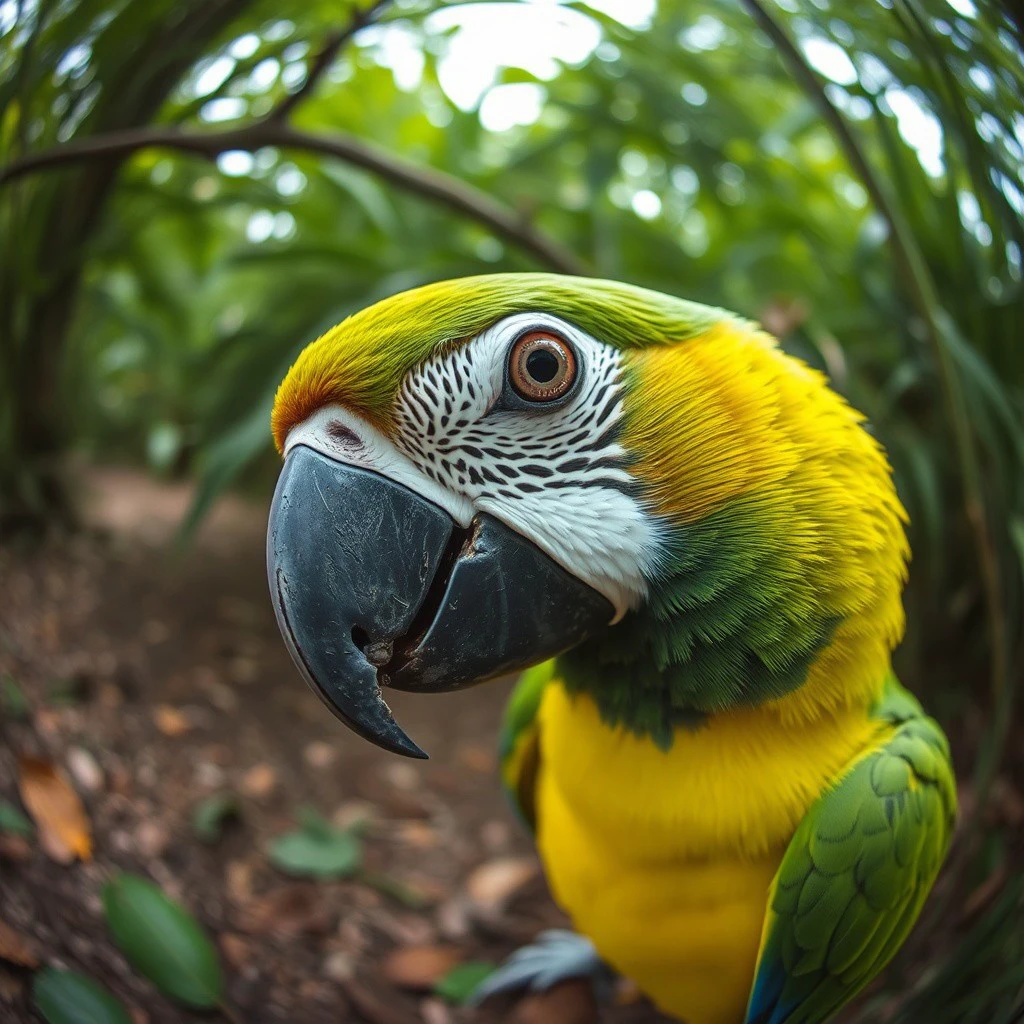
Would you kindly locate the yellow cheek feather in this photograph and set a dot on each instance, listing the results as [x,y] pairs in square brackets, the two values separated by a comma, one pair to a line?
[727,422]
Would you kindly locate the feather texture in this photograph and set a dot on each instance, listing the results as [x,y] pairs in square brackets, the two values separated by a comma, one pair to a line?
[857,871]
[361,363]
[785,557]
[788,819]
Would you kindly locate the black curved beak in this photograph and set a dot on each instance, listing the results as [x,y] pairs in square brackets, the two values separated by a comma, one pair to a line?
[374,586]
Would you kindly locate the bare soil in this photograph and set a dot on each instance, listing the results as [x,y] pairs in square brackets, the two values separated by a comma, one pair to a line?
[166,669]
[155,678]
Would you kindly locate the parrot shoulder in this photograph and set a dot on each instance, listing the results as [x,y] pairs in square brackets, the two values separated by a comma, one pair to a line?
[856,873]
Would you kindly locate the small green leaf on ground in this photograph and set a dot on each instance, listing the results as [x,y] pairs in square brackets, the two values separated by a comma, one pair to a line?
[13,702]
[211,815]
[13,822]
[314,822]
[462,981]
[317,849]
[419,967]
[163,941]
[65,997]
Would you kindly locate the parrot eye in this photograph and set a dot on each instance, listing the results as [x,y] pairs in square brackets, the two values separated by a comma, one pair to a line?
[541,366]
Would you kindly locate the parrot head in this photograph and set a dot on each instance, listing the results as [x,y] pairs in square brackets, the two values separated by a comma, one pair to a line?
[486,473]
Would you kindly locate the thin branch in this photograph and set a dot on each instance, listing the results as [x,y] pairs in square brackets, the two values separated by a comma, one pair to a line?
[432,184]
[925,298]
[326,57]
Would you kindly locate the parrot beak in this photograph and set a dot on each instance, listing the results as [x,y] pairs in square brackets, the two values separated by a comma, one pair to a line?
[375,586]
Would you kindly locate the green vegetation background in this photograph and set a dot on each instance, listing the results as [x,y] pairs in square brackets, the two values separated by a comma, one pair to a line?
[152,296]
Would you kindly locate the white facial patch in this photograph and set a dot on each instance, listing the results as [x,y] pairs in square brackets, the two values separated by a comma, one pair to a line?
[557,475]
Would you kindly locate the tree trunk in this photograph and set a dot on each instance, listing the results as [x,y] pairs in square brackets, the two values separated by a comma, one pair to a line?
[41,280]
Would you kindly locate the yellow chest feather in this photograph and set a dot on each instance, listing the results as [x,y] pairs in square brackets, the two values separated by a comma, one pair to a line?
[664,859]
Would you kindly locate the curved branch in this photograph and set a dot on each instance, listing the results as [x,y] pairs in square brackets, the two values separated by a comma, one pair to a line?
[326,57]
[432,184]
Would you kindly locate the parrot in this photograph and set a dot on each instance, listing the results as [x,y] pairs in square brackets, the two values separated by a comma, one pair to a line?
[690,549]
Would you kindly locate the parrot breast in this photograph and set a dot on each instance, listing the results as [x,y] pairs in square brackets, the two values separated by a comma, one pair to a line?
[665,859]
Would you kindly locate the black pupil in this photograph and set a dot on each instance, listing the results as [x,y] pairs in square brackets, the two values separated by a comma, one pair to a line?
[542,365]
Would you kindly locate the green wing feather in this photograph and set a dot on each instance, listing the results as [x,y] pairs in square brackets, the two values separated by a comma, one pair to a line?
[519,744]
[857,871]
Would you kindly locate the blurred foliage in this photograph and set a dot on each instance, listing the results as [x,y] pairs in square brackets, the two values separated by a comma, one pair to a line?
[148,311]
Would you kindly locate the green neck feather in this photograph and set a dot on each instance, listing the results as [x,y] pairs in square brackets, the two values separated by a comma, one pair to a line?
[723,627]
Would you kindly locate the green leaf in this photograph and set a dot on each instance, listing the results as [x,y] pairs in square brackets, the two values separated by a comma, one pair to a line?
[65,997]
[313,822]
[163,446]
[225,459]
[163,941]
[317,849]
[211,815]
[462,981]
[13,822]
[1016,526]
[12,700]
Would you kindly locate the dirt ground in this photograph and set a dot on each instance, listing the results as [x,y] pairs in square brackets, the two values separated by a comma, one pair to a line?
[156,679]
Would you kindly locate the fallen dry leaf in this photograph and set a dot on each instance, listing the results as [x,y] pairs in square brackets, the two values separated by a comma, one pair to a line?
[404,805]
[402,777]
[16,948]
[354,812]
[418,834]
[152,839]
[495,882]
[170,721]
[238,881]
[318,754]
[478,759]
[419,967]
[259,780]
[64,832]
[236,950]
[572,1002]
[47,722]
